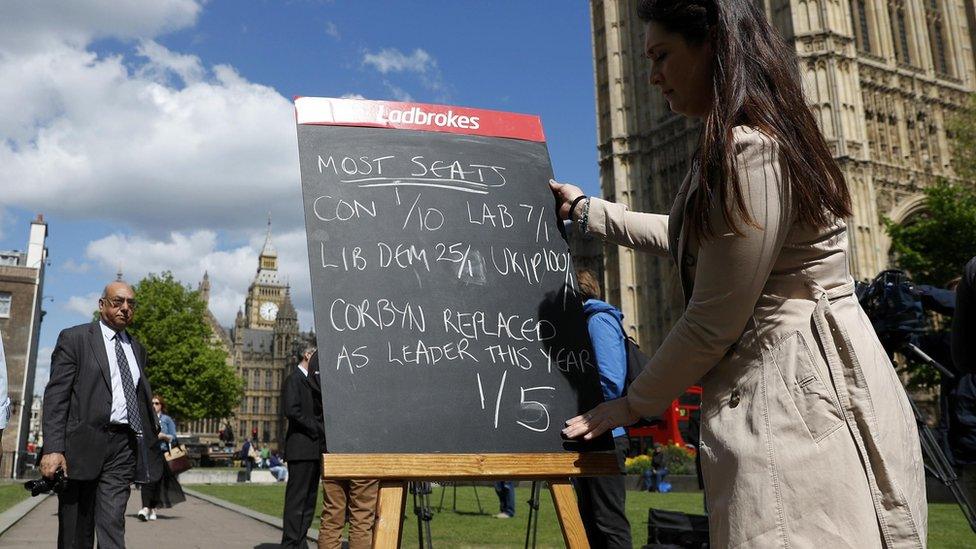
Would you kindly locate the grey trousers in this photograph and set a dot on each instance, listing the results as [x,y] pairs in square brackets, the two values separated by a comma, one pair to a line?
[90,507]
[602,505]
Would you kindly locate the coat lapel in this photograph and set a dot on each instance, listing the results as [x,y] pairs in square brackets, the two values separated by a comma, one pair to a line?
[97,343]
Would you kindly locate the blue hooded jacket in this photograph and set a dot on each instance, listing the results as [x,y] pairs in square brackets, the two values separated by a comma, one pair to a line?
[607,336]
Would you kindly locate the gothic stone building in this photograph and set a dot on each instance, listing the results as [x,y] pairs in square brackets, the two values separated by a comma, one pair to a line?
[263,344]
[882,78]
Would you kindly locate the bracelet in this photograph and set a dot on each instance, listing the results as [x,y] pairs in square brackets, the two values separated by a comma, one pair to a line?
[585,217]
[573,205]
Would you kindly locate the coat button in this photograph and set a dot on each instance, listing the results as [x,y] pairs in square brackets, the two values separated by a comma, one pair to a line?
[734,399]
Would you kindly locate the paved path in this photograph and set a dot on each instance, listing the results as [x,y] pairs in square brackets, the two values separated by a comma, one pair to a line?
[192,524]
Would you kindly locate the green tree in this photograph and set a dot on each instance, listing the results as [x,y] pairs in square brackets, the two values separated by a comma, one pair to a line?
[962,132]
[934,246]
[186,367]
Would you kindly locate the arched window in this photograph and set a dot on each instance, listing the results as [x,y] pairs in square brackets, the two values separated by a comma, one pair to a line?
[899,31]
[937,38]
[859,20]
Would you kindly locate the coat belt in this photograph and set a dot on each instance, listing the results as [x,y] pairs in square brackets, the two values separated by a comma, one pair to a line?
[890,504]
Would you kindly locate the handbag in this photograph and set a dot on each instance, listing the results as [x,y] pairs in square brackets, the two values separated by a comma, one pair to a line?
[177,460]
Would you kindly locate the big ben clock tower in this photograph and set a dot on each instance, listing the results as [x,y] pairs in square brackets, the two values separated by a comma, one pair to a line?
[266,293]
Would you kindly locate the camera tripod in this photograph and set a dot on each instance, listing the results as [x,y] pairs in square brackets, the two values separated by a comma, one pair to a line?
[532,528]
[421,508]
[937,463]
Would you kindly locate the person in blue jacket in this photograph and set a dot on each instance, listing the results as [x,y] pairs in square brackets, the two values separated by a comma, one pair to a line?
[602,499]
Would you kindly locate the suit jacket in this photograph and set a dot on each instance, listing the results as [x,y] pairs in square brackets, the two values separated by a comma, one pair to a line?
[302,405]
[807,435]
[78,405]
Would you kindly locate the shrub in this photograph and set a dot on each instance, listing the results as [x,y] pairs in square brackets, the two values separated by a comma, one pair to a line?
[638,464]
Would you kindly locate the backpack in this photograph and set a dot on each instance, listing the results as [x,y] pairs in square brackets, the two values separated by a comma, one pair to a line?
[636,359]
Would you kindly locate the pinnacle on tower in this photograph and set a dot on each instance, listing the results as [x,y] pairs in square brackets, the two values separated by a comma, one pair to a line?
[269,250]
[204,288]
[118,274]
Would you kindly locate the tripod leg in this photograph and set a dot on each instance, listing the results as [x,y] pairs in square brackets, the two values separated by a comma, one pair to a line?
[940,467]
[417,513]
[440,505]
[481,511]
[532,527]
[428,514]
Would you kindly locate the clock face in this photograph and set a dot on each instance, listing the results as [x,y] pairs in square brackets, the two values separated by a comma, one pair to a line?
[269,310]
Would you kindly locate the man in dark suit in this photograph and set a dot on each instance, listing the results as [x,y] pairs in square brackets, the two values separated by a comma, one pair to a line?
[301,402]
[99,427]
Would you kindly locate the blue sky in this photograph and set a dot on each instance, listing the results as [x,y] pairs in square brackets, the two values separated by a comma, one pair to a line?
[157,135]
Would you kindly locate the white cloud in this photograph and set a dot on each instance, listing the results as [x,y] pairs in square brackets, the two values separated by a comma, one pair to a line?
[162,62]
[419,64]
[397,92]
[353,96]
[83,305]
[32,25]
[393,60]
[189,255]
[72,266]
[155,140]
[332,30]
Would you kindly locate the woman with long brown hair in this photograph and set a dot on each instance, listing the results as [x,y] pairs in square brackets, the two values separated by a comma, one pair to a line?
[807,436]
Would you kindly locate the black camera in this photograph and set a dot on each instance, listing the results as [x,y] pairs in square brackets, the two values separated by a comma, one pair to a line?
[44,485]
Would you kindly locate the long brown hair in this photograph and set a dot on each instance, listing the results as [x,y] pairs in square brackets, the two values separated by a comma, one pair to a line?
[756,81]
[162,403]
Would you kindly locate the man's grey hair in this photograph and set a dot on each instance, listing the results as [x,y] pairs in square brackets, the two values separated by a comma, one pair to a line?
[309,350]
[107,286]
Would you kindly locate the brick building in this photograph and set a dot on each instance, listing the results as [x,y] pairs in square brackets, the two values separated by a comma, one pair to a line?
[21,291]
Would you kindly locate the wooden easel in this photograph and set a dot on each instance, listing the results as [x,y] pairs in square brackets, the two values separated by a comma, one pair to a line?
[395,470]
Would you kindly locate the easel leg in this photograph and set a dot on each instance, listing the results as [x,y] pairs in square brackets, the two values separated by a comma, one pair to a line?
[568,513]
[389,514]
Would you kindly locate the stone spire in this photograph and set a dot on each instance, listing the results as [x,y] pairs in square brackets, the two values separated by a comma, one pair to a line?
[118,274]
[204,288]
[268,250]
[287,311]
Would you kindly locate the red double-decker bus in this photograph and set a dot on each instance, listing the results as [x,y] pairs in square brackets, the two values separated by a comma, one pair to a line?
[678,425]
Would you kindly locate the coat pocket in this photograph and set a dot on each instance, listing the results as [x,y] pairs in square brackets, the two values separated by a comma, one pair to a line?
[814,400]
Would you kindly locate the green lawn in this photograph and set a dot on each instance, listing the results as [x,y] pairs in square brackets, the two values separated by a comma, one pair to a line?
[468,528]
[11,494]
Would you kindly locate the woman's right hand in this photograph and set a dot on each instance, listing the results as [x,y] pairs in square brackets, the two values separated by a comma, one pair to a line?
[565,194]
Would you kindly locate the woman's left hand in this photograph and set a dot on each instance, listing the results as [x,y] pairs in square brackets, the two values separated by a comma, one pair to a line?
[565,194]
[607,416]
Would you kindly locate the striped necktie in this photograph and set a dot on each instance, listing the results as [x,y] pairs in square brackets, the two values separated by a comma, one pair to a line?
[128,387]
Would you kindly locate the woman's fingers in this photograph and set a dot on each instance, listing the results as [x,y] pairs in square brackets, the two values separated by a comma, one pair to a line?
[565,194]
[599,420]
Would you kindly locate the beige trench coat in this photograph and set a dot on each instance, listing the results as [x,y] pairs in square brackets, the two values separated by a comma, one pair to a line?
[807,436]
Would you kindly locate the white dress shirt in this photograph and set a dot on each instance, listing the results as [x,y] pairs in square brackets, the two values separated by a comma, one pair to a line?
[4,399]
[120,413]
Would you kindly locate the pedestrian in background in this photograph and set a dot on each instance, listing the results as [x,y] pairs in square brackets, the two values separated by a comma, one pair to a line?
[602,499]
[247,458]
[301,404]
[353,499]
[506,499]
[166,492]
[99,426]
[4,398]
[277,467]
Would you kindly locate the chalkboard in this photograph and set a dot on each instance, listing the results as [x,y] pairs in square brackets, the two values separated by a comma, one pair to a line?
[442,287]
